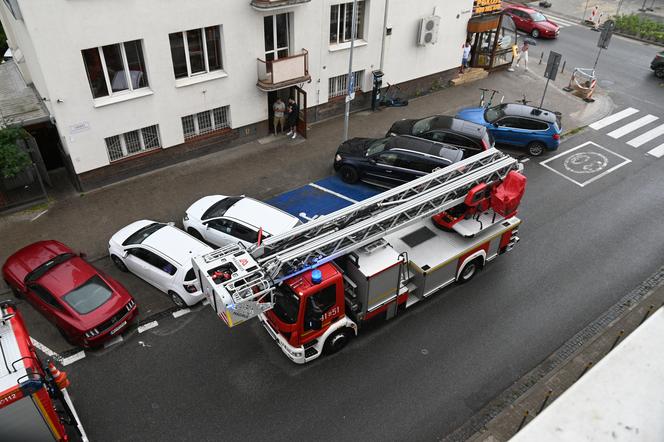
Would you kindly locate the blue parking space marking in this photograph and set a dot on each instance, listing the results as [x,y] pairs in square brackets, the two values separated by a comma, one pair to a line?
[308,202]
[357,192]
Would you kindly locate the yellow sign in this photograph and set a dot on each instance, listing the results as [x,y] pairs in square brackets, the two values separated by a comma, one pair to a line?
[484,6]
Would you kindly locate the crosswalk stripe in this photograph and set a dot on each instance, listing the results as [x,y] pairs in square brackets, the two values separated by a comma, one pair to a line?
[631,127]
[561,21]
[613,118]
[657,152]
[644,138]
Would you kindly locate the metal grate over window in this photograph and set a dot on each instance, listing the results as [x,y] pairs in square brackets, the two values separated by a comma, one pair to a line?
[133,142]
[338,84]
[206,122]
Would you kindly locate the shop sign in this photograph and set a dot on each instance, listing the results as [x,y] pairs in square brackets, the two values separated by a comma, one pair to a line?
[484,6]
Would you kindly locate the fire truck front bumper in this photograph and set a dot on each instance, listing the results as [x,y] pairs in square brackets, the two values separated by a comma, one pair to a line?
[295,354]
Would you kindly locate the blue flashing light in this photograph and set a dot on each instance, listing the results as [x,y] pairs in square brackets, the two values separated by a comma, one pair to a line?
[316,276]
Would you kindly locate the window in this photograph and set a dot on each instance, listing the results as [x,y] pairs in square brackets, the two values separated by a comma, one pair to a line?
[533,124]
[154,260]
[510,122]
[205,122]
[131,143]
[116,68]
[45,296]
[338,85]
[89,296]
[197,51]
[389,158]
[341,20]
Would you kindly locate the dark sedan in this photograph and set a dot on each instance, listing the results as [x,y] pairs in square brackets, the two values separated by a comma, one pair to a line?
[392,161]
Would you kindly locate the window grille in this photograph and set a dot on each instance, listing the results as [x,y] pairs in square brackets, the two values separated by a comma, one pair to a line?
[338,85]
[133,142]
[205,122]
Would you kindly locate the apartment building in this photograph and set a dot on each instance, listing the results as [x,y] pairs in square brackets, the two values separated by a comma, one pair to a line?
[134,85]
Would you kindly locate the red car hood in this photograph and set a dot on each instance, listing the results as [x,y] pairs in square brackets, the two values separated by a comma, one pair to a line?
[30,257]
[548,25]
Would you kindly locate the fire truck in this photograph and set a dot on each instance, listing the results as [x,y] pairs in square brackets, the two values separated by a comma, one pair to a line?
[34,402]
[315,286]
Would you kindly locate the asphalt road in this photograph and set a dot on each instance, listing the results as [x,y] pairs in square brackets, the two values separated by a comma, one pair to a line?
[423,374]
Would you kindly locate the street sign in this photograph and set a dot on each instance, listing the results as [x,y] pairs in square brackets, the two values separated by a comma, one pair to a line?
[605,36]
[552,65]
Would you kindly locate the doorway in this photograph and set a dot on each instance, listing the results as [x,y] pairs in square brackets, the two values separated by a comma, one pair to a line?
[300,97]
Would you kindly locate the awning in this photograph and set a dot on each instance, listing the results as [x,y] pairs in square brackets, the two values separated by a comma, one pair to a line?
[484,23]
[20,105]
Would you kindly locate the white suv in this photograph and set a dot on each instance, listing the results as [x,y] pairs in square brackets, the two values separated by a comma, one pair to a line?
[161,255]
[222,220]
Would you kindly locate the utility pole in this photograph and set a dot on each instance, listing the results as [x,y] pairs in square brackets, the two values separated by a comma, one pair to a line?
[350,81]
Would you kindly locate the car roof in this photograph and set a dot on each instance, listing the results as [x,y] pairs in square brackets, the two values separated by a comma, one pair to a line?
[66,276]
[259,214]
[416,144]
[176,244]
[523,110]
[521,8]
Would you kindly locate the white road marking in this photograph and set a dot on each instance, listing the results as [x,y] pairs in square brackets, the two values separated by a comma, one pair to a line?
[562,22]
[599,124]
[525,160]
[650,135]
[112,342]
[73,358]
[148,326]
[38,215]
[657,152]
[331,192]
[44,349]
[631,127]
[182,312]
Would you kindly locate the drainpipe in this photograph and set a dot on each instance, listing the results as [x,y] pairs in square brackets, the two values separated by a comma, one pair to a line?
[382,45]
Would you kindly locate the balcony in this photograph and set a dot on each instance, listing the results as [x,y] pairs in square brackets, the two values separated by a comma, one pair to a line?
[271,5]
[284,72]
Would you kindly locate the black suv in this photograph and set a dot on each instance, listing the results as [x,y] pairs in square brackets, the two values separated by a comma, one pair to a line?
[657,65]
[471,137]
[392,161]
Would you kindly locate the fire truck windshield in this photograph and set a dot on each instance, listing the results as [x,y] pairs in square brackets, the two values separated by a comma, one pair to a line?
[286,304]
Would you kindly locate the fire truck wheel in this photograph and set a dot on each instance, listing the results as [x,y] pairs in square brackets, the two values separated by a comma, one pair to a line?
[119,264]
[193,232]
[177,300]
[470,270]
[337,341]
[349,174]
[536,148]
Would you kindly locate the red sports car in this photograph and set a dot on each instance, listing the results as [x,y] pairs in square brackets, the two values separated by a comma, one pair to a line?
[533,22]
[86,305]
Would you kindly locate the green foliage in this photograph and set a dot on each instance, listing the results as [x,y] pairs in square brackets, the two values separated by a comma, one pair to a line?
[13,159]
[641,27]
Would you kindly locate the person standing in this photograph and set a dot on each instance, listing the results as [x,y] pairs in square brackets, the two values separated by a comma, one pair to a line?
[293,115]
[465,57]
[279,107]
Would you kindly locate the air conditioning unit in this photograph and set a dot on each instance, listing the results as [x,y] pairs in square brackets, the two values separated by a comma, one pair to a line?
[428,33]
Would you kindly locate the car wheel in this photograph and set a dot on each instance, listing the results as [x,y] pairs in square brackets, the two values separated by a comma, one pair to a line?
[119,264]
[659,72]
[17,293]
[349,174]
[535,33]
[177,300]
[337,341]
[193,232]
[536,148]
[470,270]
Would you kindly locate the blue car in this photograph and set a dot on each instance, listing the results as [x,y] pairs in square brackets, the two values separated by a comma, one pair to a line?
[518,125]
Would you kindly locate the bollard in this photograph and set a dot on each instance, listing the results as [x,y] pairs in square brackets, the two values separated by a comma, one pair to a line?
[588,365]
[563,68]
[541,57]
[647,314]
[546,399]
[620,335]
[523,421]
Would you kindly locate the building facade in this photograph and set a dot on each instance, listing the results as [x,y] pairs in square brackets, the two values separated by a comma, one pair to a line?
[133,85]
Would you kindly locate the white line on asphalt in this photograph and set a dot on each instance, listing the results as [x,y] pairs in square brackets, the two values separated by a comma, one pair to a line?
[599,124]
[73,358]
[644,138]
[38,215]
[562,22]
[45,349]
[112,342]
[631,127]
[343,197]
[147,326]
[657,152]
[182,312]
[525,160]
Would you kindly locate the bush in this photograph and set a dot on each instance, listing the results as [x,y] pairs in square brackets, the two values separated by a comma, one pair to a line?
[640,26]
[13,159]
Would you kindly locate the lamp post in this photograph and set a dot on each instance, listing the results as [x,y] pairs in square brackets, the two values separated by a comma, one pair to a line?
[350,81]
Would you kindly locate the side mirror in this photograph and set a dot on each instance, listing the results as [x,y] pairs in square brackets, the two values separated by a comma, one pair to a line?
[82,255]
[372,161]
[125,253]
[495,124]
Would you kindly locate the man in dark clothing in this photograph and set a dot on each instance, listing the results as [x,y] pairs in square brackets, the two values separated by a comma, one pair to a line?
[293,115]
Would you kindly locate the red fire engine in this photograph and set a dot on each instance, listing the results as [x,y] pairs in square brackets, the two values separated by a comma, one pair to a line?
[313,287]
[34,403]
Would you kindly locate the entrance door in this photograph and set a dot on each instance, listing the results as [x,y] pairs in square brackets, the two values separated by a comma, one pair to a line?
[301,100]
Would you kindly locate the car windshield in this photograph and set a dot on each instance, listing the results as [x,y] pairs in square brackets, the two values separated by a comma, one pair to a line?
[493,113]
[538,16]
[286,304]
[377,146]
[48,265]
[219,208]
[422,126]
[142,234]
[89,296]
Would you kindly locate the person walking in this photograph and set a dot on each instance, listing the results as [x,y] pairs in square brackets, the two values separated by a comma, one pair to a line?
[523,55]
[293,115]
[465,57]
[279,108]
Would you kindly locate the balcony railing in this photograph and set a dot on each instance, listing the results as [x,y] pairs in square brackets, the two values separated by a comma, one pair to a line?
[284,72]
[264,5]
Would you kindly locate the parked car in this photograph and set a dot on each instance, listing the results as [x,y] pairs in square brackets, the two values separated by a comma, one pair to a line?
[518,125]
[222,220]
[161,255]
[470,137]
[393,160]
[533,22]
[86,305]
[657,64]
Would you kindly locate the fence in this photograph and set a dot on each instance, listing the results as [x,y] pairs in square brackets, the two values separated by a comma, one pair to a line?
[25,188]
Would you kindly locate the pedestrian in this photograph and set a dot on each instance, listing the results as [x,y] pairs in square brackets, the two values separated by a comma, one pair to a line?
[279,107]
[293,116]
[465,57]
[523,55]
